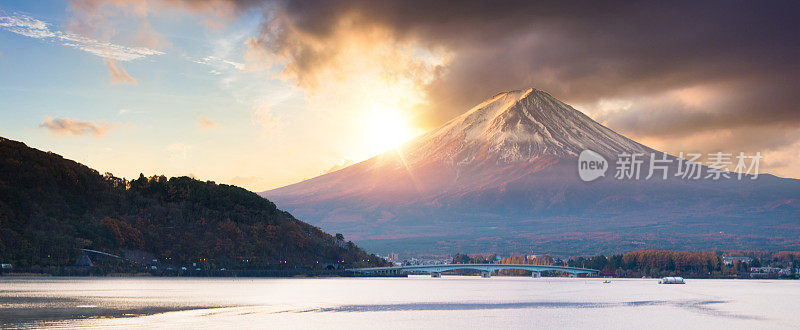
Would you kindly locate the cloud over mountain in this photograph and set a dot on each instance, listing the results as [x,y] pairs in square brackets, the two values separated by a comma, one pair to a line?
[664,58]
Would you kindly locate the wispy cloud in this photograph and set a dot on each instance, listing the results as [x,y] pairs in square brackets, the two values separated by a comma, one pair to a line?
[34,28]
[219,63]
[206,123]
[26,26]
[119,75]
[125,112]
[67,126]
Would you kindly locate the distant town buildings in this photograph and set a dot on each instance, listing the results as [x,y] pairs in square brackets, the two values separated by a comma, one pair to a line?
[729,260]
[769,272]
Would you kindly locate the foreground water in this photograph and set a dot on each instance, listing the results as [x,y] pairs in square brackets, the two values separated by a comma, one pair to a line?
[414,302]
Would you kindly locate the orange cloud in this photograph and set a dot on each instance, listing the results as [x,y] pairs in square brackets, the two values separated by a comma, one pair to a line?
[97,17]
[118,74]
[206,123]
[369,70]
[67,126]
[146,36]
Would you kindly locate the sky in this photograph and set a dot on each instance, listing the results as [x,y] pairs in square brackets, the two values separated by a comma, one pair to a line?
[263,94]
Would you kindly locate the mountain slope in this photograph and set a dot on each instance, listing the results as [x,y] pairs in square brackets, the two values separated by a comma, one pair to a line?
[503,177]
[51,206]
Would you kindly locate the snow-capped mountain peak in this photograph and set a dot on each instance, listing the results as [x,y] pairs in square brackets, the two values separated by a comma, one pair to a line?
[521,125]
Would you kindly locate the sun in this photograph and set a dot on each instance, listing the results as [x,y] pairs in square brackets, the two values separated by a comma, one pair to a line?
[388,129]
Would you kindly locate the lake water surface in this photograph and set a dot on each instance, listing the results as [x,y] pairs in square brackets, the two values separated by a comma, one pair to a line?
[414,302]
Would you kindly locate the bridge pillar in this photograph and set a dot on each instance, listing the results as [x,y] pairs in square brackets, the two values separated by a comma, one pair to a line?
[436,275]
[536,274]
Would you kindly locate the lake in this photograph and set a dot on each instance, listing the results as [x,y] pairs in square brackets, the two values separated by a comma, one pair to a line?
[413,302]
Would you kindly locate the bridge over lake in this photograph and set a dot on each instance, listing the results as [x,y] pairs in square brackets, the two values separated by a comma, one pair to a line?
[486,269]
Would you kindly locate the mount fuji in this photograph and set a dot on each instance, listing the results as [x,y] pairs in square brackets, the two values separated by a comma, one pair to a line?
[503,177]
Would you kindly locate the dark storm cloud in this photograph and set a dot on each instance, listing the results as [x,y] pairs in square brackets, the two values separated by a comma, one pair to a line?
[585,51]
[750,101]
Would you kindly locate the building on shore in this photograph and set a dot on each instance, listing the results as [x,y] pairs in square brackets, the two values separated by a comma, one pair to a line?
[729,260]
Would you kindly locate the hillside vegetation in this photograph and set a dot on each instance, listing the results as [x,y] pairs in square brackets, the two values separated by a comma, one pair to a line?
[50,207]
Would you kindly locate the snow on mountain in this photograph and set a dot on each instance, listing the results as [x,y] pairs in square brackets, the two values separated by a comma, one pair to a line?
[504,175]
[515,126]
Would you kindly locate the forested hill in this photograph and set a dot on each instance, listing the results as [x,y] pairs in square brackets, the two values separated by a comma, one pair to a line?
[50,207]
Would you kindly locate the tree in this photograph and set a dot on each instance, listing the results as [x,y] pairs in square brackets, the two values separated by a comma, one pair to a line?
[461,258]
